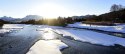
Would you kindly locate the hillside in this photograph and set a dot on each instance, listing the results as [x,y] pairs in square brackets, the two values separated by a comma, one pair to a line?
[114,17]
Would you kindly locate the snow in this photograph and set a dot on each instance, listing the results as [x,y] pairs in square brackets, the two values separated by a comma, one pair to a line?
[54,46]
[47,47]
[4,30]
[92,37]
[83,35]
[48,33]
[41,46]
[13,26]
[28,31]
[118,28]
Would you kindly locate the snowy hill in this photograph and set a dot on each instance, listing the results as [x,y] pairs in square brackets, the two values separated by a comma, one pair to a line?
[32,17]
[5,18]
[28,17]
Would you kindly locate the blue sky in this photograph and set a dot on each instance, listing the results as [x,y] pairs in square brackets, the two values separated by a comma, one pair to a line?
[21,8]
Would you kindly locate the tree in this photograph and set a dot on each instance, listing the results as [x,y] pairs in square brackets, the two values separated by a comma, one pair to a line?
[116,8]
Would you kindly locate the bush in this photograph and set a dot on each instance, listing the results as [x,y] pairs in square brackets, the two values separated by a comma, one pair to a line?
[1,24]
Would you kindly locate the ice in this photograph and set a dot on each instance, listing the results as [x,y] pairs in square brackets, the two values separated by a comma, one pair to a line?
[118,28]
[92,37]
[54,46]
[4,30]
[47,47]
[18,26]
[28,31]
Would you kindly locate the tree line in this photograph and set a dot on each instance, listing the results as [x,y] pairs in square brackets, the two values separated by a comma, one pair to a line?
[60,21]
[2,22]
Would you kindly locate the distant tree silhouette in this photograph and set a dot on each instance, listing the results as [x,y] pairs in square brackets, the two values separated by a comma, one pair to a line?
[116,7]
[3,22]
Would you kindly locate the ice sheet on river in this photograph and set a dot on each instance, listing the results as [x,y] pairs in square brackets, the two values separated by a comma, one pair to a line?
[47,47]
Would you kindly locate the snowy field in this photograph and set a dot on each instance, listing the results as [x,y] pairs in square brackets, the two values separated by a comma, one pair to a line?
[118,28]
[54,46]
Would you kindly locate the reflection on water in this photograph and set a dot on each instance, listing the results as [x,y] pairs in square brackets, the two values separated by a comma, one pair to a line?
[48,35]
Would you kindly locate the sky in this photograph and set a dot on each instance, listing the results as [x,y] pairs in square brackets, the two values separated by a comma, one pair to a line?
[55,8]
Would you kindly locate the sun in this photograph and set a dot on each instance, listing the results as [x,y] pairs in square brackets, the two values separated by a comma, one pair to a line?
[50,10]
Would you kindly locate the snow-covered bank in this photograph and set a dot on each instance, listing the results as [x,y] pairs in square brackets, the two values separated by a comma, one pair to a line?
[92,37]
[8,26]
[4,30]
[47,47]
[118,28]
[11,27]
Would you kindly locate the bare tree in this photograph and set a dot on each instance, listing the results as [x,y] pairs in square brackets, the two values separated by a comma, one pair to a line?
[115,7]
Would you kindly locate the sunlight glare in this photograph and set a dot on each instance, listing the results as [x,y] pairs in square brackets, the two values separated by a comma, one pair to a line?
[49,10]
[48,34]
